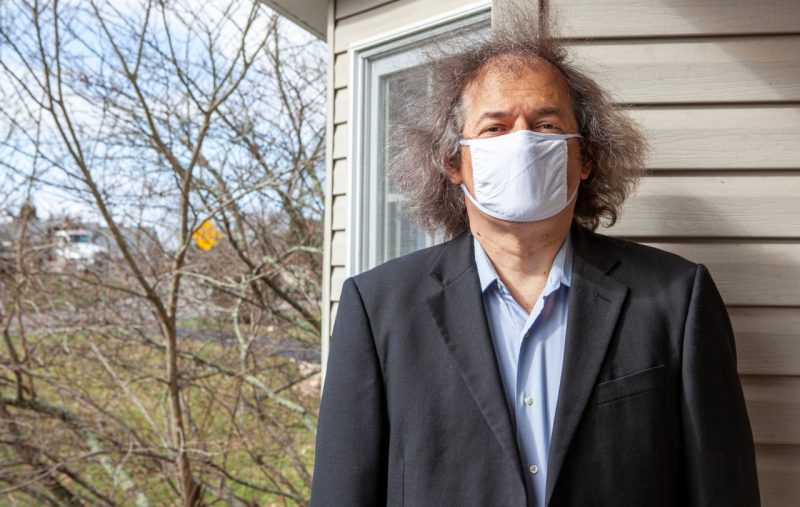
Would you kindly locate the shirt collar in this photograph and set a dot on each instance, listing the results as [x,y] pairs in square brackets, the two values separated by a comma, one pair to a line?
[560,271]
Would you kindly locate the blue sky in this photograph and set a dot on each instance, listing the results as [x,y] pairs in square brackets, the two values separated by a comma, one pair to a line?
[57,197]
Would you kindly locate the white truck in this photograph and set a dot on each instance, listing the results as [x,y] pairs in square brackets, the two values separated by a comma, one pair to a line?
[79,246]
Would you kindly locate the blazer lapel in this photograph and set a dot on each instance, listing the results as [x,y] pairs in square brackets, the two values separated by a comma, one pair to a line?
[460,316]
[595,302]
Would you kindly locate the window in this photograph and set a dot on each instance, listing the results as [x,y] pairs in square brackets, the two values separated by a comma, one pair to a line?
[379,228]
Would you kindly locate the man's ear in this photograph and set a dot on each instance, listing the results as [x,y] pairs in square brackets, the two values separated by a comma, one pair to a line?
[586,169]
[587,160]
[454,170]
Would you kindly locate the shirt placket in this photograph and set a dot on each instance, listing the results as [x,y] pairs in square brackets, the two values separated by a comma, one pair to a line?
[528,408]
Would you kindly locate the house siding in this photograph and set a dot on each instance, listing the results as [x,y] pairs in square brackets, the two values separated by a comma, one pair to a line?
[716,87]
[345,8]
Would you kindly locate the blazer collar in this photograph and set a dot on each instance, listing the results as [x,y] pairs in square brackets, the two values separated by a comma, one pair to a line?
[457,308]
[456,257]
[595,302]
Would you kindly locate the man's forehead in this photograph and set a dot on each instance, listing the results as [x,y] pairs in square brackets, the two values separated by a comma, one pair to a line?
[504,71]
[504,80]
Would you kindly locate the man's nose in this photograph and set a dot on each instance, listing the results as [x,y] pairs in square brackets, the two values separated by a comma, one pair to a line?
[520,124]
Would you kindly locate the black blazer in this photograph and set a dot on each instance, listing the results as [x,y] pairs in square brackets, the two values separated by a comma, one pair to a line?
[650,408]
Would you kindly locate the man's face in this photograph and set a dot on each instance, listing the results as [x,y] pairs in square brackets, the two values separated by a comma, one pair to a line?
[530,96]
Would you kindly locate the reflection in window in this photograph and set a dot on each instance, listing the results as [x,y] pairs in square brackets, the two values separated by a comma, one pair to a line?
[400,236]
[380,228]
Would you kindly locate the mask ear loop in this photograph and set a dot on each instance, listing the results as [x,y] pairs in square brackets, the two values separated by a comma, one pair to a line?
[485,210]
[573,196]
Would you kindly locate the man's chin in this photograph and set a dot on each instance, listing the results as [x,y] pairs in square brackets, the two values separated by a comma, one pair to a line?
[481,221]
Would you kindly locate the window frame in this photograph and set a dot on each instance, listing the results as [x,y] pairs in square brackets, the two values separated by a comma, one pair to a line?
[370,61]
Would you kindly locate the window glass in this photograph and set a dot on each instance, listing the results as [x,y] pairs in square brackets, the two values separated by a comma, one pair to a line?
[380,229]
[400,236]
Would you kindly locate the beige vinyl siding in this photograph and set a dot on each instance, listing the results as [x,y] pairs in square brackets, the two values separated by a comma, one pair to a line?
[339,220]
[340,177]
[345,8]
[716,87]
[771,398]
[778,470]
[747,273]
[714,136]
[667,18]
[717,205]
[337,280]
[341,72]
[697,69]
[766,340]
[341,106]
[341,139]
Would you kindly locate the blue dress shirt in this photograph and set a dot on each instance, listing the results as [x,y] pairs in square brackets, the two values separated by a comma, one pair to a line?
[530,354]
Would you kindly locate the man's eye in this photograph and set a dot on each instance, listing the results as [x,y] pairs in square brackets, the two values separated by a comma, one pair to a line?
[492,130]
[548,127]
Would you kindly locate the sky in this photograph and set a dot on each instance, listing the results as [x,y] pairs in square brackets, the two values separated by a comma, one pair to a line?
[51,200]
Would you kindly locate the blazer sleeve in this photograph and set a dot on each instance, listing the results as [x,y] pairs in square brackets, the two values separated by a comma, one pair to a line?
[718,442]
[352,434]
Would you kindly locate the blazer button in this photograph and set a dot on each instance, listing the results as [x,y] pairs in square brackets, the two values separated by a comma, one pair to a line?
[534,469]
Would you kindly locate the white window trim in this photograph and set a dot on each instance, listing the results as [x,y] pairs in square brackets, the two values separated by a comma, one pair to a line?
[362,56]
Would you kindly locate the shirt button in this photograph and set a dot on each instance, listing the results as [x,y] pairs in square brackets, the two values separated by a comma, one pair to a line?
[533,469]
[528,400]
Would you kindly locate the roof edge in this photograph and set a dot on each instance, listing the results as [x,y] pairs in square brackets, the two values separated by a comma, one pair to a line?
[310,15]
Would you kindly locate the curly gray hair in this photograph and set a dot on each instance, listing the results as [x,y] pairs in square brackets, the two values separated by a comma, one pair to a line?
[428,135]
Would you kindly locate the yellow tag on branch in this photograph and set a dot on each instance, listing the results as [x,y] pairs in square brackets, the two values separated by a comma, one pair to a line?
[206,236]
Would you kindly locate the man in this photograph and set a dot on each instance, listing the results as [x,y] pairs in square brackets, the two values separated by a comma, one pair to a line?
[529,361]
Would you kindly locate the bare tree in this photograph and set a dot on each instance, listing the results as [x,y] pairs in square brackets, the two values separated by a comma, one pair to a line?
[161,373]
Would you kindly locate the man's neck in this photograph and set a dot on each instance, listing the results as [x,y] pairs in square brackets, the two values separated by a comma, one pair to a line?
[522,253]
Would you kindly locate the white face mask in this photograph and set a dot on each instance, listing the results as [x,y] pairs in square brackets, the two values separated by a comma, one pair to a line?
[521,176]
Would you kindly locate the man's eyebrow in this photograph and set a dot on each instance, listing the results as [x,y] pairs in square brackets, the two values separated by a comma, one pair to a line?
[547,110]
[492,115]
[542,111]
